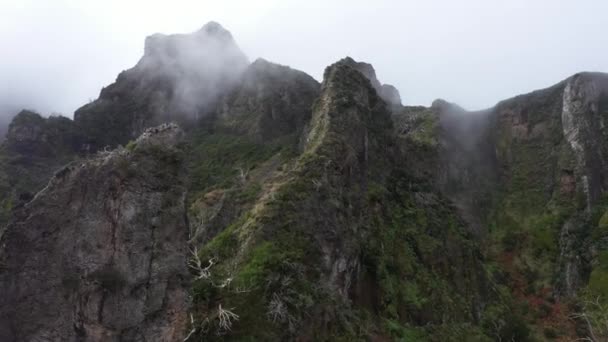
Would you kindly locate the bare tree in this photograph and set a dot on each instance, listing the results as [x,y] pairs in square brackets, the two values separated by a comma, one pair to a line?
[226,317]
[193,328]
[595,316]
[242,176]
[196,264]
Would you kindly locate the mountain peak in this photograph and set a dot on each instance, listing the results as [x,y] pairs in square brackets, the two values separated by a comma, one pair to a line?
[210,35]
[387,92]
[213,27]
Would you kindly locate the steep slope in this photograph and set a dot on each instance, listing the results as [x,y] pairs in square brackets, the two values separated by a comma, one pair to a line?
[529,176]
[322,252]
[304,211]
[4,122]
[100,253]
[387,92]
[7,112]
[34,149]
[271,101]
[552,149]
[180,77]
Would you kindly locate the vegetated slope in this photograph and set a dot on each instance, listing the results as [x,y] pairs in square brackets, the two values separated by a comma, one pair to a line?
[311,212]
[341,242]
[532,171]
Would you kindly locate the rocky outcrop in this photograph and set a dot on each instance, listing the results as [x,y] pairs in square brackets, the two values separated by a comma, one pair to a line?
[179,78]
[100,253]
[271,101]
[314,211]
[32,135]
[532,171]
[387,92]
[34,149]
[323,228]
[584,117]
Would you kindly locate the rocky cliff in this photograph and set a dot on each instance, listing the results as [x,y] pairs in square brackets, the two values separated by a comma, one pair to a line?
[34,149]
[530,174]
[293,210]
[329,231]
[180,77]
[100,253]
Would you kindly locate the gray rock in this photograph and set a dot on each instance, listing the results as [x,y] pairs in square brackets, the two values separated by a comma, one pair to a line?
[100,254]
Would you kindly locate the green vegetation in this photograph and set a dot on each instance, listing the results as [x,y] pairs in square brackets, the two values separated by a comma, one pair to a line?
[271,265]
[217,160]
[424,129]
[131,145]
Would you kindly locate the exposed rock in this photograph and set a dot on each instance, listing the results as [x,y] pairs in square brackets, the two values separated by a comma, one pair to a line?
[271,101]
[32,135]
[100,253]
[316,212]
[321,229]
[584,117]
[34,149]
[533,158]
[387,92]
[390,94]
[180,77]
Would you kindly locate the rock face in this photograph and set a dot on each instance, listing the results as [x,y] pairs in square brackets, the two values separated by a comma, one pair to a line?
[307,211]
[180,77]
[387,92]
[271,101]
[533,168]
[318,243]
[32,135]
[584,117]
[34,149]
[551,145]
[100,253]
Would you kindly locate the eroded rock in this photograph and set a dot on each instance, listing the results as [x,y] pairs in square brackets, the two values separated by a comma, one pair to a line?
[100,253]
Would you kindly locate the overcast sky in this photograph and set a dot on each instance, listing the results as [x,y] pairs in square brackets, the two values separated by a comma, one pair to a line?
[56,55]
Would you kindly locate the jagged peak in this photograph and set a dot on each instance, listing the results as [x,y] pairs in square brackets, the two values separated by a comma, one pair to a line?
[25,118]
[343,70]
[213,27]
[347,100]
[387,92]
[364,68]
[26,113]
[210,33]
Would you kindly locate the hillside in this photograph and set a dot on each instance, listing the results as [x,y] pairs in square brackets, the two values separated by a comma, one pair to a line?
[204,197]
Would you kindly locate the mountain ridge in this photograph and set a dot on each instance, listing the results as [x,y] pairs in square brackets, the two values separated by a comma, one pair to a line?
[305,210]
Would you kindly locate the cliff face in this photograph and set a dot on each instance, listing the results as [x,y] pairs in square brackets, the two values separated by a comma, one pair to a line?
[529,174]
[179,78]
[271,101]
[34,149]
[552,150]
[293,210]
[387,92]
[100,253]
[336,233]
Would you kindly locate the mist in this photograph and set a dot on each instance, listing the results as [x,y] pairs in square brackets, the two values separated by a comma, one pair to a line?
[199,67]
[58,55]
